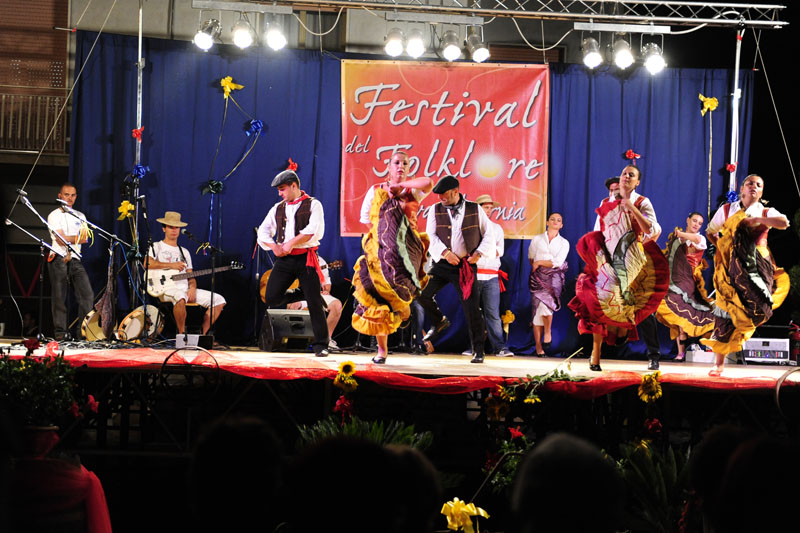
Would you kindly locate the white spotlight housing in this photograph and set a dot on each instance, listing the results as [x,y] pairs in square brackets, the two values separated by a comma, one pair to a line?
[653,58]
[477,48]
[243,34]
[623,57]
[415,45]
[394,42]
[451,45]
[274,37]
[591,52]
[207,34]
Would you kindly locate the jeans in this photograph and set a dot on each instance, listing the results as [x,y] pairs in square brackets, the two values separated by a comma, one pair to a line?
[62,275]
[490,302]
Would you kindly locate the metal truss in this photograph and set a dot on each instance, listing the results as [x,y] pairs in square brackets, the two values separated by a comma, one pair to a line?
[719,14]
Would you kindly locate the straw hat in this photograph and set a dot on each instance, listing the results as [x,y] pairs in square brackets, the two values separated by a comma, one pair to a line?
[486,199]
[172,218]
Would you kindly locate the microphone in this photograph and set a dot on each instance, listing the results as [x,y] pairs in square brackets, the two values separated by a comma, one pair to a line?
[144,205]
[21,192]
[62,202]
[186,232]
[8,222]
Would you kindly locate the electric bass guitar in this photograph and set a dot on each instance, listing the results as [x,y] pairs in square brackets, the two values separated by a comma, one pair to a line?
[160,281]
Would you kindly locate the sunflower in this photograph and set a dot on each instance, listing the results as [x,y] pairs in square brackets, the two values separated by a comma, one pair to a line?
[346,383]
[531,399]
[650,387]
[347,368]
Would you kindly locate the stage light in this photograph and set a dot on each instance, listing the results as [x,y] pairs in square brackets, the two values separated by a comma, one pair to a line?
[274,36]
[653,58]
[207,34]
[623,57]
[477,48]
[415,46]
[394,42]
[243,34]
[451,45]
[591,52]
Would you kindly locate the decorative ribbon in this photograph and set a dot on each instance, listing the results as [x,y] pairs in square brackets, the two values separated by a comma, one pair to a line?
[732,197]
[730,167]
[125,209]
[459,515]
[255,128]
[228,86]
[709,103]
[500,276]
[137,133]
[51,349]
[344,406]
[466,278]
[292,165]
[202,248]
[213,187]
[633,156]
[139,171]
[85,233]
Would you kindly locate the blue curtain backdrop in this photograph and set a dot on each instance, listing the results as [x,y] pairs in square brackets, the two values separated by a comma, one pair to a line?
[595,117]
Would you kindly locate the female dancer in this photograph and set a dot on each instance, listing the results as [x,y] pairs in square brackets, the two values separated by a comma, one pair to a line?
[686,310]
[748,283]
[626,274]
[389,274]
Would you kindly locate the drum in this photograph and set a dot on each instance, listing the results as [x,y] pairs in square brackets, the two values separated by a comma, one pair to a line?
[90,327]
[133,325]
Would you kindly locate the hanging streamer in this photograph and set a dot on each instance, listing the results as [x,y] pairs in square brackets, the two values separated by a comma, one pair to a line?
[709,105]
[137,133]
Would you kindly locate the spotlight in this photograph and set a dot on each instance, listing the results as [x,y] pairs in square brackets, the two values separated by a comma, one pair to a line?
[274,37]
[243,34]
[477,48]
[415,46]
[623,57]
[591,52]
[206,34]
[653,58]
[394,42]
[451,45]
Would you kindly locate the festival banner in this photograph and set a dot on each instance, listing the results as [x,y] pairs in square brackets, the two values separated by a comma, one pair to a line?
[486,124]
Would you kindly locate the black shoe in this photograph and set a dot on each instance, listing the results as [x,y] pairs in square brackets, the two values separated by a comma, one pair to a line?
[595,368]
[653,364]
[435,330]
[477,358]
[322,353]
[379,359]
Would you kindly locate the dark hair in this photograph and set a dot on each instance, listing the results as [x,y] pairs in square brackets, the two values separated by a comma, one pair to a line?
[638,170]
[67,184]
[555,213]
[693,213]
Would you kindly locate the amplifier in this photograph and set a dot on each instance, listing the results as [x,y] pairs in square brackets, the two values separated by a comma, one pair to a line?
[285,329]
[768,351]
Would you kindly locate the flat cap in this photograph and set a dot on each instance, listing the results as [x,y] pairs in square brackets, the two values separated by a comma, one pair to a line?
[287,176]
[445,184]
[610,181]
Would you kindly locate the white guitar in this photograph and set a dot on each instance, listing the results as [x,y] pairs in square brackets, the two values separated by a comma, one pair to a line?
[162,280]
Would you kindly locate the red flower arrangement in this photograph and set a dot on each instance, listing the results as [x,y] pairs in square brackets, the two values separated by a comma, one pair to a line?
[292,165]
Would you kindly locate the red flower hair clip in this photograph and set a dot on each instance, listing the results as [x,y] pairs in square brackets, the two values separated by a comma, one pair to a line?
[292,165]
[633,156]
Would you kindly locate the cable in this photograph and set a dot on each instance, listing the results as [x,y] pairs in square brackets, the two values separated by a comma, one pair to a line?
[545,49]
[777,116]
[335,23]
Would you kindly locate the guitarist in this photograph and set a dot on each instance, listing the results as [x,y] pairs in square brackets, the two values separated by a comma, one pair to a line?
[292,230]
[166,254]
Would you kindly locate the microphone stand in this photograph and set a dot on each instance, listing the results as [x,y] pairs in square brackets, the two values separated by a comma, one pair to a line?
[214,251]
[42,245]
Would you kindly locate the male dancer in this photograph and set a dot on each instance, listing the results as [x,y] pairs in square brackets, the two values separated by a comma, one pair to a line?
[456,228]
[292,230]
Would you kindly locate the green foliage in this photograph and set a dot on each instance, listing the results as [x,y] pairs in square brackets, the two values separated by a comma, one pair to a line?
[527,388]
[391,432]
[504,475]
[38,391]
[656,484]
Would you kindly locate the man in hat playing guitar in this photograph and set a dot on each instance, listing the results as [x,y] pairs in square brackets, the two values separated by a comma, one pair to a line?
[167,254]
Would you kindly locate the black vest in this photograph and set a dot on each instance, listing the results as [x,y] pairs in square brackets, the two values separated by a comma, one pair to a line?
[301,219]
[470,226]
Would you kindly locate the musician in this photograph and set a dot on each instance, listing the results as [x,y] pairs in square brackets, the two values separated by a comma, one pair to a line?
[167,254]
[334,304]
[68,270]
[292,230]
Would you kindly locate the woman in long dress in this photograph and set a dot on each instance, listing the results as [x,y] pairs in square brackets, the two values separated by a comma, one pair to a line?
[626,274]
[748,283]
[686,309]
[390,273]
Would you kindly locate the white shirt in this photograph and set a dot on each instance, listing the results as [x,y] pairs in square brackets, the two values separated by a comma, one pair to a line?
[164,253]
[755,210]
[491,261]
[315,228]
[366,204]
[543,249]
[647,211]
[59,219]
[457,245]
[701,246]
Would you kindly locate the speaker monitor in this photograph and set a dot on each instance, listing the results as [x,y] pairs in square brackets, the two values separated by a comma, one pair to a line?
[284,329]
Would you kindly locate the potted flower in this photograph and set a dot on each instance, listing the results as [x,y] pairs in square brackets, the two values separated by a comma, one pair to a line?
[38,393]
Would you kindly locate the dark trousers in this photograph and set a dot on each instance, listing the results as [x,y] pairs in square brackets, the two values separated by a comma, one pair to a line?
[62,275]
[440,275]
[293,267]
[648,331]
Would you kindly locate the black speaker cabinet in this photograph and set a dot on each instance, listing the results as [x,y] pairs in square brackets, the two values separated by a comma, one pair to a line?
[284,329]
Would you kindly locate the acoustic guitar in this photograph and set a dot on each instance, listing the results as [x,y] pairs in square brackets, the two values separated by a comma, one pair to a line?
[262,286]
[162,280]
